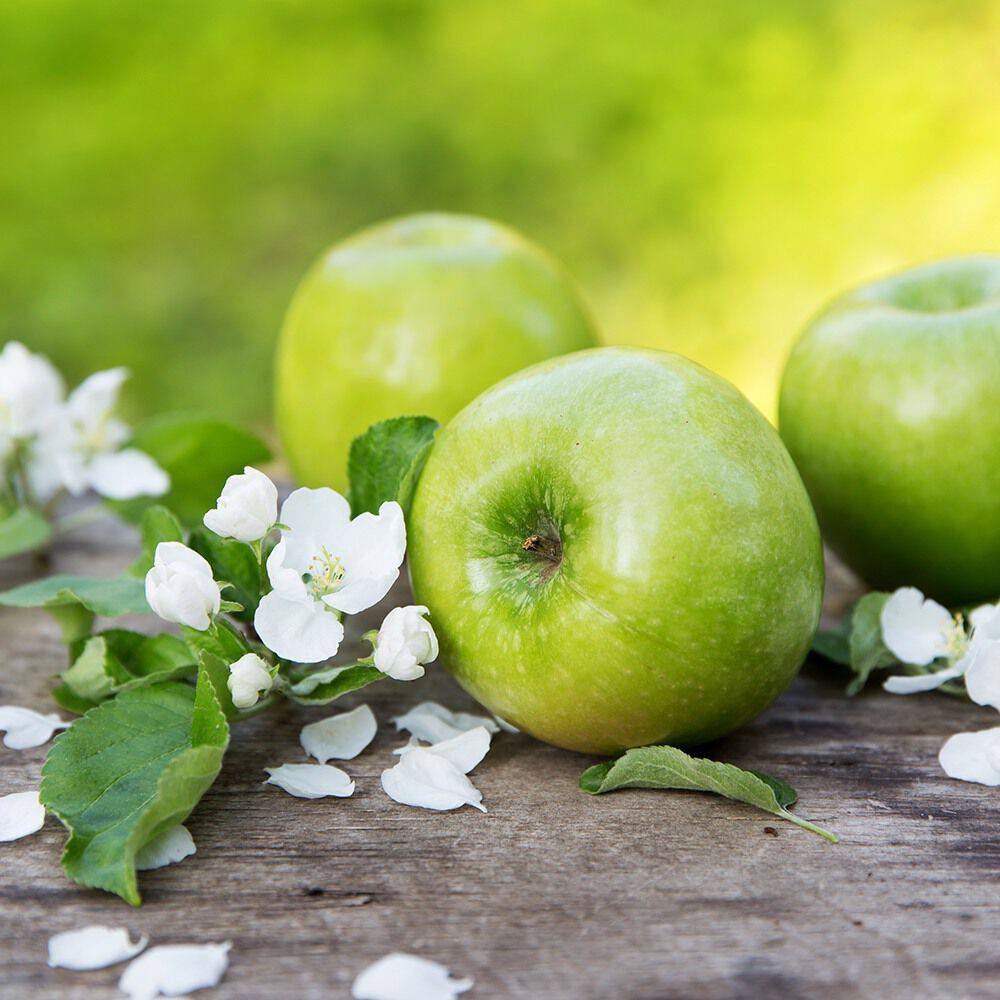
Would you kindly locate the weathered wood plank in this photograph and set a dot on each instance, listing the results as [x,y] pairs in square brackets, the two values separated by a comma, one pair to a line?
[552,894]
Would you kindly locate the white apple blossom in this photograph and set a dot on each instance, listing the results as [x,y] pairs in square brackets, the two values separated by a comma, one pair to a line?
[249,678]
[326,563]
[91,948]
[405,641]
[918,630]
[247,508]
[407,977]
[30,391]
[175,970]
[80,448]
[180,587]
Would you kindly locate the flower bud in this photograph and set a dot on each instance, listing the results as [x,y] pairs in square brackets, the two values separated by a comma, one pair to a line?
[180,587]
[405,641]
[247,508]
[249,678]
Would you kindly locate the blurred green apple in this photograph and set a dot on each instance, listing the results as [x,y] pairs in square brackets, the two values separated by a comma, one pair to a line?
[617,550]
[890,406]
[413,316]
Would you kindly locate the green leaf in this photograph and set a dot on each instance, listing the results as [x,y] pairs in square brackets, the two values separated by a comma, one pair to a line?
[867,650]
[834,643]
[158,524]
[127,771]
[123,595]
[236,563]
[324,686]
[668,767]
[118,660]
[23,531]
[217,671]
[223,641]
[199,454]
[386,461]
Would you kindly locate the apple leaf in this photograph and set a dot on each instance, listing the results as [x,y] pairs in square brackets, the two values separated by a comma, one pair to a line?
[834,644]
[223,641]
[386,461]
[233,562]
[668,767]
[123,595]
[324,686]
[127,771]
[198,453]
[25,530]
[158,524]
[118,660]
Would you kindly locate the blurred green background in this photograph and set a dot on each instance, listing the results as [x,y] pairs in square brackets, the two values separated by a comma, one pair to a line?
[710,172]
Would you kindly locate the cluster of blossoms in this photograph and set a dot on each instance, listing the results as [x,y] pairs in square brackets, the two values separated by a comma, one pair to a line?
[941,648]
[323,566]
[51,442]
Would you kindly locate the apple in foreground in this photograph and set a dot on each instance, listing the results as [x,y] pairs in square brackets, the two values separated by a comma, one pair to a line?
[617,550]
[890,406]
[413,316]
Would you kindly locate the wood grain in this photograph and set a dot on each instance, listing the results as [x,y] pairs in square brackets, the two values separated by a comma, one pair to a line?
[552,894]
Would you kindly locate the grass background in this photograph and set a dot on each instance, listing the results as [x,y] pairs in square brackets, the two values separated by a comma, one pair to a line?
[710,172]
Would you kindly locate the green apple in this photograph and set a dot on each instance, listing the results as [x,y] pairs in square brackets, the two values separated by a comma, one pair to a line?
[617,550]
[890,406]
[413,316]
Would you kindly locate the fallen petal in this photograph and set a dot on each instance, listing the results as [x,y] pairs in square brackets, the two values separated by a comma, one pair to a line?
[341,737]
[26,728]
[175,969]
[424,779]
[94,947]
[311,781]
[973,757]
[505,725]
[21,814]
[168,848]
[465,751]
[407,977]
[434,723]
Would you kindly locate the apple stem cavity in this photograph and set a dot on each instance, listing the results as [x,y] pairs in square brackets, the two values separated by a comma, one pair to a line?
[549,549]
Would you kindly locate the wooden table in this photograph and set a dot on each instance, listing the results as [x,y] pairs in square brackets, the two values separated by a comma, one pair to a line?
[552,894]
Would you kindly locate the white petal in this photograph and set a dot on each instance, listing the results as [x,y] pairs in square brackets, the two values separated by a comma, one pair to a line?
[26,728]
[96,397]
[901,684]
[982,675]
[465,751]
[978,617]
[21,814]
[407,977]
[311,781]
[303,631]
[94,947]
[972,757]
[433,722]
[126,474]
[315,517]
[168,848]
[916,630]
[175,969]
[429,781]
[340,737]
[372,550]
